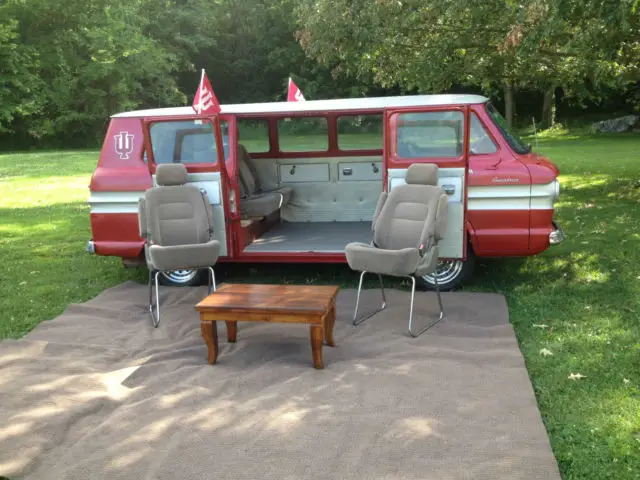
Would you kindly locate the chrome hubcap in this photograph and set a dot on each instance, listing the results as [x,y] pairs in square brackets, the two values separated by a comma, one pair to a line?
[445,272]
[180,276]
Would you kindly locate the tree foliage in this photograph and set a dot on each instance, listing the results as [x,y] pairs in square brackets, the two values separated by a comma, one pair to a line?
[19,84]
[495,44]
[65,67]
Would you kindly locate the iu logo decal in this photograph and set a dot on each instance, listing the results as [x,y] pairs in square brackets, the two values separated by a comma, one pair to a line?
[123,145]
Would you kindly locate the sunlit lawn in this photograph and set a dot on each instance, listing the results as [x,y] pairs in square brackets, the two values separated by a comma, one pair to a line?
[575,307]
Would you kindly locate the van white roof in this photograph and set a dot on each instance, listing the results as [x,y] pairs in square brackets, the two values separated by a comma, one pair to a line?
[366,103]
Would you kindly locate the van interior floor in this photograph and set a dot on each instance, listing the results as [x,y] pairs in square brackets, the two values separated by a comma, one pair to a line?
[329,237]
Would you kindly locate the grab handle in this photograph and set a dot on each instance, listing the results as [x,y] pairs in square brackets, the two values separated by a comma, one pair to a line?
[449,189]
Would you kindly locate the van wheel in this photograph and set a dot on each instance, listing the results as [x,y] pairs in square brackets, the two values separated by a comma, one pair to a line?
[182,278]
[450,274]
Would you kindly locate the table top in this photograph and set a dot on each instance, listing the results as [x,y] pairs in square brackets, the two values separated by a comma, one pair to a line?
[271,298]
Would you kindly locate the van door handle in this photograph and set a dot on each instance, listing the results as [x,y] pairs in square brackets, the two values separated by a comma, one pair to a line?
[293,170]
[347,171]
[375,168]
[449,189]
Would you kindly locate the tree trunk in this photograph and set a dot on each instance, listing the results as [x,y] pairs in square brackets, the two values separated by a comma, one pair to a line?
[509,103]
[548,108]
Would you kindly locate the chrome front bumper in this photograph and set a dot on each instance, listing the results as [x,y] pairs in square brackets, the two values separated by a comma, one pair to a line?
[91,248]
[557,235]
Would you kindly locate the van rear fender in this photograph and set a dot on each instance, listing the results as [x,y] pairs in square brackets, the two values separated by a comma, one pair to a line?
[119,180]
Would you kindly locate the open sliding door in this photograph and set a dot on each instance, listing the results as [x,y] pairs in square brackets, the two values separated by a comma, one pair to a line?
[191,141]
[437,135]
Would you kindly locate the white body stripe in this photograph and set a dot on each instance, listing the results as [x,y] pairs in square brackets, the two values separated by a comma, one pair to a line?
[127,202]
[480,198]
[114,202]
[511,197]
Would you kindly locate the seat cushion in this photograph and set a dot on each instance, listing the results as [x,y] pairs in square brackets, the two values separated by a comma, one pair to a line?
[183,256]
[176,215]
[250,183]
[361,256]
[261,204]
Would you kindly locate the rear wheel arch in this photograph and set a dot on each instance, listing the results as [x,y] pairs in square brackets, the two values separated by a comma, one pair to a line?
[452,274]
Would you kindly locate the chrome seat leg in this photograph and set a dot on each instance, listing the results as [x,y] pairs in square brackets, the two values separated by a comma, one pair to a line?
[435,279]
[358,321]
[154,310]
[211,280]
[440,317]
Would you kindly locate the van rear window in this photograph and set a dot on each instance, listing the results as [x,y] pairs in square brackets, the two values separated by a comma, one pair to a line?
[186,141]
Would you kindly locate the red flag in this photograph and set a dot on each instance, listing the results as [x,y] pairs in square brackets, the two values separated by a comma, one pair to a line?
[294,94]
[205,100]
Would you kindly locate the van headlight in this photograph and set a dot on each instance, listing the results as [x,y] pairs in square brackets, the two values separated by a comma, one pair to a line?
[556,190]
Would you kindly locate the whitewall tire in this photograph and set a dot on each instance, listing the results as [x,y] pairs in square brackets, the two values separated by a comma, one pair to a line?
[450,274]
[182,278]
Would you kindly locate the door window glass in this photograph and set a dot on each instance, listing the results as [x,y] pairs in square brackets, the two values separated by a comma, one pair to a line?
[480,141]
[186,141]
[430,134]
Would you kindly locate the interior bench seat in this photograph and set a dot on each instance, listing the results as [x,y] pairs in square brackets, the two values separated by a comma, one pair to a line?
[254,201]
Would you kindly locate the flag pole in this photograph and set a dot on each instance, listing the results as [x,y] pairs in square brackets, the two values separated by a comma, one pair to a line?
[216,127]
[200,93]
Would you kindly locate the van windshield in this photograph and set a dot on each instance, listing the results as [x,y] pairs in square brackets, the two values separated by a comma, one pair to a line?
[514,140]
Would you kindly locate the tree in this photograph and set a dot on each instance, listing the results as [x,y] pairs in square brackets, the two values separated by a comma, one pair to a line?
[19,83]
[495,44]
[98,57]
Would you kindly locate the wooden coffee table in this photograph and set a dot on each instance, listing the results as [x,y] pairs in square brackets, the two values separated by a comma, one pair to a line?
[233,303]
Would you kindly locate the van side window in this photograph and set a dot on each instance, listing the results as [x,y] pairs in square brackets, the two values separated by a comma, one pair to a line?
[303,134]
[480,141]
[254,134]
[430,134]
[360,132]
[186,141]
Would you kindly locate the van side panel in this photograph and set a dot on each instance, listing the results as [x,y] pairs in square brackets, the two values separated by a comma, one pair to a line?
[498,207]
[120,179]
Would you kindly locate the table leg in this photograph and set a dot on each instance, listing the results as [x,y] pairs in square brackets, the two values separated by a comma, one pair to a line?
[210,334]
[330,321]
[317,335]
[232,331]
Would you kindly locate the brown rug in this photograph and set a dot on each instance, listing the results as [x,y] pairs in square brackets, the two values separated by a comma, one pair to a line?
[99,393]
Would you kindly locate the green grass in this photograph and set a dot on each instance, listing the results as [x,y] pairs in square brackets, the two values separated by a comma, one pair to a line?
[579,300]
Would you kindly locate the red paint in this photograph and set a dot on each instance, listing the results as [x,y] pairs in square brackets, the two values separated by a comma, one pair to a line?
[293,257]
[116,234]
[500,231]
[541,227]
[114,173]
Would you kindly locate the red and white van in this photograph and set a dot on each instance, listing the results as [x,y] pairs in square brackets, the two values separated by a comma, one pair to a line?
[300,180]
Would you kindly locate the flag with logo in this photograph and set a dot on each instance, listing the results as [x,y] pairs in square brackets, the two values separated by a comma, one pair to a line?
[294,94]
[205,101]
